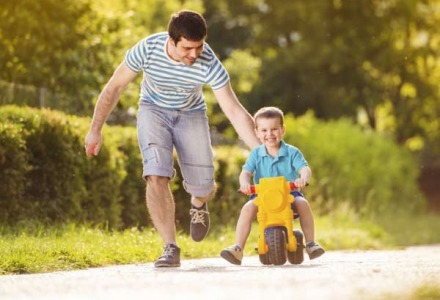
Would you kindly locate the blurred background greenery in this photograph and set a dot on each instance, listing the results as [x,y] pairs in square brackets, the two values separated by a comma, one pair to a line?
[358,80]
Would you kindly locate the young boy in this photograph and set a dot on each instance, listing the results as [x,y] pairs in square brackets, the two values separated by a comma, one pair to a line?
[273,158]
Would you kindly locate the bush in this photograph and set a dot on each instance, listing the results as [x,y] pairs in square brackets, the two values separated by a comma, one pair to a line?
[13,167]
[46,177]
[52,180]
[368,171]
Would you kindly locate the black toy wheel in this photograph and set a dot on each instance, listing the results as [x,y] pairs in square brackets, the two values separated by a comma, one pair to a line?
[297,257]
[264,259]
[276,242]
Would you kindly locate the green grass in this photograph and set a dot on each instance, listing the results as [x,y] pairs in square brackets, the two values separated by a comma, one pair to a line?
[37,249]
[426,291]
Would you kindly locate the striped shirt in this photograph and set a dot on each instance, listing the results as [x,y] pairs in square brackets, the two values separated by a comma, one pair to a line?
[170,84]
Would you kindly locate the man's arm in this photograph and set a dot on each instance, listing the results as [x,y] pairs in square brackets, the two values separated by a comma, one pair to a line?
[237,114]
[105,104]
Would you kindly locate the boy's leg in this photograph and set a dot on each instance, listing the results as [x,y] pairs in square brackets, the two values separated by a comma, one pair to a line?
[301,205]
[234,253]
[244,223]
[306,218]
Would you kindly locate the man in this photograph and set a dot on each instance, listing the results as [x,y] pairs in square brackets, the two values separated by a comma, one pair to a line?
[172,114]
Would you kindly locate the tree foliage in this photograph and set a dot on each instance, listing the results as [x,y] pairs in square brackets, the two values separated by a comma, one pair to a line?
[374,61]
[56,45]
[71,47]
[340,57]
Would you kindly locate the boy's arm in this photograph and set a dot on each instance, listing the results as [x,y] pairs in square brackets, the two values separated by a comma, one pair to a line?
[305,174]
[245,181]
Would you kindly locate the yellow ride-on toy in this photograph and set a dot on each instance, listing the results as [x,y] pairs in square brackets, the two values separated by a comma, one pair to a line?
[278,241]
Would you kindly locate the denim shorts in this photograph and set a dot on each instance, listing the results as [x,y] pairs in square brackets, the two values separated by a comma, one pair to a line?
[161,130]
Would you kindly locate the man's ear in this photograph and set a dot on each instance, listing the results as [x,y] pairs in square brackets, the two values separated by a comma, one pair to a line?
[173,42]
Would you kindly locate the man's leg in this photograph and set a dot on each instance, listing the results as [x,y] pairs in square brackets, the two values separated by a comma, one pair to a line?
[193,146]
[156,145]
[200,221]
[198,201]
[161,207]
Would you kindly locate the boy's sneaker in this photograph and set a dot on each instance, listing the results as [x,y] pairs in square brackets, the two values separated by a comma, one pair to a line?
[170,257]
[233,254]
[314,250]
[199,222]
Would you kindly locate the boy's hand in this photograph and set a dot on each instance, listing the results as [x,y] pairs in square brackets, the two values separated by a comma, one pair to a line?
[300,183]
[245,188]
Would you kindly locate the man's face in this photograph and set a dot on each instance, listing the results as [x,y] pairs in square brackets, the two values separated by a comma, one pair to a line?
[186,51]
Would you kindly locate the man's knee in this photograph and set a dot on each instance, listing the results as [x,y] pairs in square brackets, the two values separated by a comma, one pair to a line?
[157,181]
[208,196]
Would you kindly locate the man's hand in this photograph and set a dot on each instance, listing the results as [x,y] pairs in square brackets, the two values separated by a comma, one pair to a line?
[92,143]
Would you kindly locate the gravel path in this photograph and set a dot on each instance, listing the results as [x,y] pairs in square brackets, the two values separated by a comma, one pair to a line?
[335,275]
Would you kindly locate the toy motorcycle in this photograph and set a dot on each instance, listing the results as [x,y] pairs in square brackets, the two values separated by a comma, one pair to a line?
[277,241]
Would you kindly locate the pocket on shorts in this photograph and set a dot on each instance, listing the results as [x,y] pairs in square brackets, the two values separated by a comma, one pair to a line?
[151,155]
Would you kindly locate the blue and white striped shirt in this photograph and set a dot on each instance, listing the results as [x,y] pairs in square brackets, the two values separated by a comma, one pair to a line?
[171,84]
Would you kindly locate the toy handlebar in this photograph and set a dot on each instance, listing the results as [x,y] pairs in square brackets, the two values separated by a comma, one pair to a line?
[291,185]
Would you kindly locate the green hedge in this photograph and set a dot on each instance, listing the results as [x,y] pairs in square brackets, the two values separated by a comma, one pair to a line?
[46,177]
[350,166]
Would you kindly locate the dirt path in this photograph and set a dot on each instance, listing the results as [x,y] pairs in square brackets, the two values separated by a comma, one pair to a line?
[336,275]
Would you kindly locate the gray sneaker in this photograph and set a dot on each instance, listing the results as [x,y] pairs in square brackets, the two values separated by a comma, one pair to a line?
[314,250]
[170,257]
[199,222]
[233,254]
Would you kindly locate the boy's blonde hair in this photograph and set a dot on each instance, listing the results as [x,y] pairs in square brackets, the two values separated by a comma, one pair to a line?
[269,112]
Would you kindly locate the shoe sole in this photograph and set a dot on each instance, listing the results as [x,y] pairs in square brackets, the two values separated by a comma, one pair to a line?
[199,238]
[316,253]
[230,258]
[166,265]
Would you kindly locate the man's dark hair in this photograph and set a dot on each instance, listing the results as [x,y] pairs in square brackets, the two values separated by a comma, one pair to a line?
[187,24]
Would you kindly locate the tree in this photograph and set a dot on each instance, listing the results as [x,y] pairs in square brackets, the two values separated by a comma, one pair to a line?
[57,45]
[70,48]
[343,57]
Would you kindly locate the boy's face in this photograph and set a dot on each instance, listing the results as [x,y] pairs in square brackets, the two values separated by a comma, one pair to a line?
[269,131]
[186,51]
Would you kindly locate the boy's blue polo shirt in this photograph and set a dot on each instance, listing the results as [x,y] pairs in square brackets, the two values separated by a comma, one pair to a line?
[287,163]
